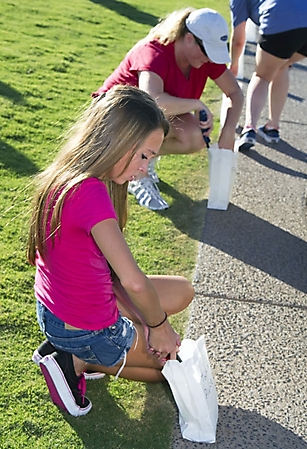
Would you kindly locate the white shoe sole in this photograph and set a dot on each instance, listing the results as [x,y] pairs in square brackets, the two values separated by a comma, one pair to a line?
[145,198]
[266,137]
[59,389]
[93,376]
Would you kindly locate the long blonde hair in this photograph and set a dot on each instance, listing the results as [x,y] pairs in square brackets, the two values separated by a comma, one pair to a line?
[171,28]
[115,123]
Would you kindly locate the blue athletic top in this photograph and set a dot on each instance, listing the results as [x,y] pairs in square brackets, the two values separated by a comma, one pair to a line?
[272,16]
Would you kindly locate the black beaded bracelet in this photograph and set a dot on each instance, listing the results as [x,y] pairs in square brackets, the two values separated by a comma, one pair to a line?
[160,324]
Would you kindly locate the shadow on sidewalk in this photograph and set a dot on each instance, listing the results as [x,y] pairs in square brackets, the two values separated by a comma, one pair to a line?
[284,147]
[238,428]
[266,162]
[258,243]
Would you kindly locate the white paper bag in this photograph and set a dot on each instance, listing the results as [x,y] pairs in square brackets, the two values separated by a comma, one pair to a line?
[222,173]
[194,391]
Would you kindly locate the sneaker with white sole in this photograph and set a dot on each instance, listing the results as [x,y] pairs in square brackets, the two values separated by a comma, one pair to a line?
[67,390]
[152,169]
[47,348]
[247,140]
[269,135]
[147,193]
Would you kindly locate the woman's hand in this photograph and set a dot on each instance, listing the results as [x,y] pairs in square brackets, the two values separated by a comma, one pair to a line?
[234,67]
[208,124]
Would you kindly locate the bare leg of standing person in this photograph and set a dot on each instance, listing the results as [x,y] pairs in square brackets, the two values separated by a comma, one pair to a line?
[279,91]
[267,67]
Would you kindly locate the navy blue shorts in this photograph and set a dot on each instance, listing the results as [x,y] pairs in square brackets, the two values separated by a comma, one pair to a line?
[105,347]
[284,45]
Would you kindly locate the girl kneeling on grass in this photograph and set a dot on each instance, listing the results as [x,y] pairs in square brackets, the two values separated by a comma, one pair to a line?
[84,268]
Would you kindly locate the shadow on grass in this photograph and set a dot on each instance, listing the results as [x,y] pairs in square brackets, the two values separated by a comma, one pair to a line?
[16,162]
[258,243]
[12,94]
[130,12]
[109,426]
[239,428]
[186,214]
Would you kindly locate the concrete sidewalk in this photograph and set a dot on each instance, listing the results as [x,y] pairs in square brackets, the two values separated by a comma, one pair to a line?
[251,285]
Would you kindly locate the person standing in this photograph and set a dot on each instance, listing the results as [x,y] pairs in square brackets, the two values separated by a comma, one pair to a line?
[172,63]
[282,42]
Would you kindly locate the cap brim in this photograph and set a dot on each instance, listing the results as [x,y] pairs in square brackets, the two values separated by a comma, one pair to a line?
[217,54]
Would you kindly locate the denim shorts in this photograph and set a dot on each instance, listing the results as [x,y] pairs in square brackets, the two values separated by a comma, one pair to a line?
[105,347]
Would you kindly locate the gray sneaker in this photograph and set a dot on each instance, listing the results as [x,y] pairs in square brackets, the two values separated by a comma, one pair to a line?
[152,169]
[247,140]
[269,135]
[147,193]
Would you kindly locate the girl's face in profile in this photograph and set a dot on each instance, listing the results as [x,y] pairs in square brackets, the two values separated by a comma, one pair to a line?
[139,162]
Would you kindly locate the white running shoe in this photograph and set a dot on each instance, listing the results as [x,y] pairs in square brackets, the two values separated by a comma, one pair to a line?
[147,193]
[269,135]
[247,140]
[152,169]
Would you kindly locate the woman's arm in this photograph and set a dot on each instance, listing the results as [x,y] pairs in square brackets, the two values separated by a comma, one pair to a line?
[228,84]
[153,84]
[111,242]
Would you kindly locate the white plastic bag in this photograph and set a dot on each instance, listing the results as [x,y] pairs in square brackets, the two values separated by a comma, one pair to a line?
[194,391]
[222,173]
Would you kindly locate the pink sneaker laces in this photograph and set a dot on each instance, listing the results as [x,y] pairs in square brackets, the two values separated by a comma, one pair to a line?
[82,387]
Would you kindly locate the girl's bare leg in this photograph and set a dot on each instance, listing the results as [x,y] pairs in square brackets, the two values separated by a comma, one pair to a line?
[139,366]
[175,294]
[151,375]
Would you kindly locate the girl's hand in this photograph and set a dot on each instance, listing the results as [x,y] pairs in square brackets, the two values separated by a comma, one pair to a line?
[163,342]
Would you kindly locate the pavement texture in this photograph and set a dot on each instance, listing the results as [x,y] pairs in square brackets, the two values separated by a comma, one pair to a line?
[251,285]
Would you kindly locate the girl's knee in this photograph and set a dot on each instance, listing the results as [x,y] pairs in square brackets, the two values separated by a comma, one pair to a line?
[188,293]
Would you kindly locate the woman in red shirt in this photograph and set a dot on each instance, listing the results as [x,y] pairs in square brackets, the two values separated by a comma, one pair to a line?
[172,63]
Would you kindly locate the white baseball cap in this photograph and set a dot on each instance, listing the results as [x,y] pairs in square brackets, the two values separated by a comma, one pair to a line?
[212,29]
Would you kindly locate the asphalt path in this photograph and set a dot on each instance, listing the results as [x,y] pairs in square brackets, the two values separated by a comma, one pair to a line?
[251,285]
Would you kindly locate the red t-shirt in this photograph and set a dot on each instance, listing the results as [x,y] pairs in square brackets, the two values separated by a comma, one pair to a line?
[158,58]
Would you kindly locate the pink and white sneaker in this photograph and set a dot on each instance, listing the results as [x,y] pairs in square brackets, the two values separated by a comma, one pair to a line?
[67,390]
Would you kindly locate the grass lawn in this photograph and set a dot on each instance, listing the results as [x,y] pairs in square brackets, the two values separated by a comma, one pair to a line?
[53,55]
